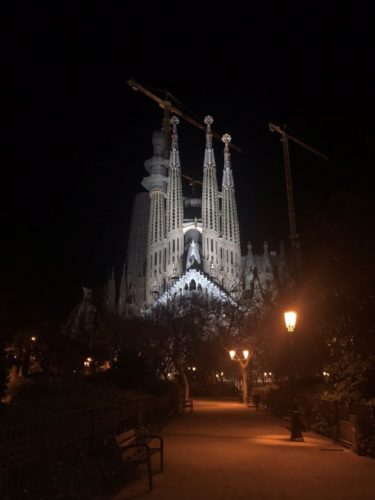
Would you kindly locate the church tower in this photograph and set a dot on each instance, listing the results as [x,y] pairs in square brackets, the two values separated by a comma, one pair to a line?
[231,255]
[185,245]
[156,184]
[210,206]
[174,249]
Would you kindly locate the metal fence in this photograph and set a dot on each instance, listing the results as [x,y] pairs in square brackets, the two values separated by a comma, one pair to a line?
[347,425]
[47,439]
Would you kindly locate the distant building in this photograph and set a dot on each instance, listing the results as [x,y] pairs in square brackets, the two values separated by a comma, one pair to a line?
[183,244]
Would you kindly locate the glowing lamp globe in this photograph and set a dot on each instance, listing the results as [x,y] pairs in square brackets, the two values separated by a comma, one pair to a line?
[290,320]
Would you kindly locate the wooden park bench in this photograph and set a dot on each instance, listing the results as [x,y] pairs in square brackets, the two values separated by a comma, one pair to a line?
[138,449]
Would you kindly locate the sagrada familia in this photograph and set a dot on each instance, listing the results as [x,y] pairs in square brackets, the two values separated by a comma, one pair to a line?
[183,244]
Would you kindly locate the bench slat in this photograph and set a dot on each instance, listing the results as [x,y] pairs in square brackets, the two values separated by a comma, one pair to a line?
[126,438]
[136,450]
[134,455]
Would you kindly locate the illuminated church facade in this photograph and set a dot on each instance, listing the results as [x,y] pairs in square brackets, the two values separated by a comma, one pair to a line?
[182,245]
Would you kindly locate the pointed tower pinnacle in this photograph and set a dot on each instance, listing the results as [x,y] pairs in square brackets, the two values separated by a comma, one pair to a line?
[250,268]
[250,262]
[267,268]
[175,236]
[110,291]
[230,219]
[175,156]
[209,159]
[230,226]
[228,181]
[210,204]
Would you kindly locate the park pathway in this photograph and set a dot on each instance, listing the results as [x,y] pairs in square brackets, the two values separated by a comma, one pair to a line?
[226,451]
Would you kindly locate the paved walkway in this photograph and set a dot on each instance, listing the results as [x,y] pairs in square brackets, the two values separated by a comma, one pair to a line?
[226,451]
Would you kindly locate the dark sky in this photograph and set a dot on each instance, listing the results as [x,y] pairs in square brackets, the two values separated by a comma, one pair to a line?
[74,136]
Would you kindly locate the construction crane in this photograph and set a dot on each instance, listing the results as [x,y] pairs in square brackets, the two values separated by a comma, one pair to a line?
[192,182]
[169,108]
[285,137]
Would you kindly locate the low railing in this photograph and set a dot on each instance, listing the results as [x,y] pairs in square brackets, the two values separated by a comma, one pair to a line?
[345,425]
[47,439]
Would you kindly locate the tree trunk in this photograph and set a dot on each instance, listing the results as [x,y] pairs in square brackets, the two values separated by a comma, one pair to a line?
[244,384]
[185,383]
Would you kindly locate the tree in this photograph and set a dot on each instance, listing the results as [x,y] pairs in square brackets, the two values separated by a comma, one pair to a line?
[187,326]
[176,333]
[339,290]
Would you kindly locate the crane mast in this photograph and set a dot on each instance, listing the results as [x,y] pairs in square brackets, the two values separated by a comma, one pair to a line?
[285,137]
[289,190]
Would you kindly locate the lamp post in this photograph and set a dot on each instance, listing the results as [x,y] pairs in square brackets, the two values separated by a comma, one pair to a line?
[243,359]
[295,421]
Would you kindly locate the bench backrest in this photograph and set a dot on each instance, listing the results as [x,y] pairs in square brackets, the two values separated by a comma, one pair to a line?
[126,438]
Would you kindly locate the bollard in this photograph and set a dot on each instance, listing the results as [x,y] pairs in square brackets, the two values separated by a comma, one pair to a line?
[295,424]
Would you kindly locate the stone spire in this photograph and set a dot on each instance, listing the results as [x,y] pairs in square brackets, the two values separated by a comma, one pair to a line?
[267,275]
[156,184]
[82,321]
[174,189]
[249,262]
[174,233]
[209,157]
[231,230]
[266,265]
[124,291]
[230,226]
[110,292]
[228,181]
[132,286]
[210,204]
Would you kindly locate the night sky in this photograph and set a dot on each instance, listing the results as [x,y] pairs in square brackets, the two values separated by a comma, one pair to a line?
[74,136]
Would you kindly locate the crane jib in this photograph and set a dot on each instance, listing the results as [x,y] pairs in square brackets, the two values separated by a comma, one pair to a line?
[167,105]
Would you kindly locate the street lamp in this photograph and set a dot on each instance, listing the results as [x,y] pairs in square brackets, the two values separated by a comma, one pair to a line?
[290,318]
[243,359]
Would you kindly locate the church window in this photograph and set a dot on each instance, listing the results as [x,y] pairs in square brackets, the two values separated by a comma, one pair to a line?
[199,287]
[193,285]
[173,247]
[186,287]
[212,245]
[231,258]
[156,259]
[178,245]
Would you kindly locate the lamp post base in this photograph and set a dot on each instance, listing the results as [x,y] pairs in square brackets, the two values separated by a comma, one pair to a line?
[295,426]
